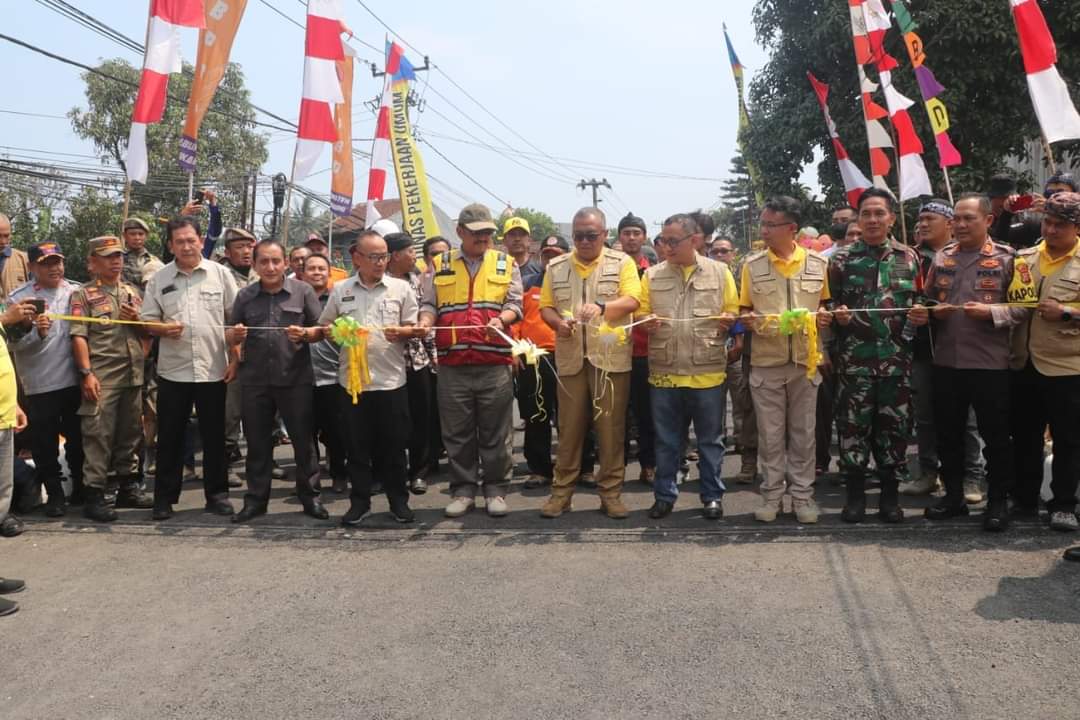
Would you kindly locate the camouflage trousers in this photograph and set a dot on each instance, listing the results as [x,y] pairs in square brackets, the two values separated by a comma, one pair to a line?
[873,418]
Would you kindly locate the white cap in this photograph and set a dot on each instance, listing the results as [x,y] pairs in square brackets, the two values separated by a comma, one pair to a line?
[384,227]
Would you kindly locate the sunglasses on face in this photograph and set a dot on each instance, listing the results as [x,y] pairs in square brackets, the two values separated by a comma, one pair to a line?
[586,237]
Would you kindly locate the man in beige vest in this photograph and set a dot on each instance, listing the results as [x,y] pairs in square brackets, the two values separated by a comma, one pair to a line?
[694,303]
[783,277]
[14,263]
[591,285]
[1045,361]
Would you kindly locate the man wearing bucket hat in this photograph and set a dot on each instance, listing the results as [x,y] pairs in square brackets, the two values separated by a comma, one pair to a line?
[473,297]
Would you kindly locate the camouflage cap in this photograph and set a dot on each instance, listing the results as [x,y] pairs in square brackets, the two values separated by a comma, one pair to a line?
[477,217]
[134,223]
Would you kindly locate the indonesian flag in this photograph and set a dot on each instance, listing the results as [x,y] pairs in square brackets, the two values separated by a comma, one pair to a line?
[877,136]
[1053,106]
[912,172]
[854,180]
[380,148]
[322,89]
[162,59]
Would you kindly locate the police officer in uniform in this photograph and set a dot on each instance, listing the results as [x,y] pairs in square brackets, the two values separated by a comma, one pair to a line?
[971,358]
[110,359]
[874,408]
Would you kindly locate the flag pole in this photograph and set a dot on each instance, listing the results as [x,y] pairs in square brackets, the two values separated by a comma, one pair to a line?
[127,202]
[948,185]
[288,201]
[190,186]
[1049,154]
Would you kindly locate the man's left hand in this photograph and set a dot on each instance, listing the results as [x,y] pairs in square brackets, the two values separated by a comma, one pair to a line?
[296,333]
[1051,310]
[496,328]
[978,311]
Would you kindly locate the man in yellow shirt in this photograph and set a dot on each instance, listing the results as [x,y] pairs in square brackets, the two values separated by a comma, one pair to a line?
[694,303]
[783,277]
[1045,363]
[590,286]
[12,421]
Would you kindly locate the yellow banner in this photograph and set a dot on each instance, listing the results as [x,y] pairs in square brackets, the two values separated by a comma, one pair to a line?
[417,215]
[341,183]
[215,43]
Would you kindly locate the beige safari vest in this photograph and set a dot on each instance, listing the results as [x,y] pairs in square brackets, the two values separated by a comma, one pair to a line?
[1052,346]
[687,348]
[771,293]
[569,292]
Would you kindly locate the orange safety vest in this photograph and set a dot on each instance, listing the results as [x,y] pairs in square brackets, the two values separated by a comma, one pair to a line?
[463,300]
[532,326]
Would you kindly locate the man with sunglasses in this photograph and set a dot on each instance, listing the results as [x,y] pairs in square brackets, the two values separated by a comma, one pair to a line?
[688,360]
[783,277]
[473,297]
[591,286]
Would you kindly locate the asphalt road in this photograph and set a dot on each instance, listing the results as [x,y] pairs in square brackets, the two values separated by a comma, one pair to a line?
[582,617]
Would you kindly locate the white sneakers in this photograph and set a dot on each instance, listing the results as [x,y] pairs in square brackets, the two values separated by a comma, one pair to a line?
[767,512]
[973,494]
[1064,521]
[459,506]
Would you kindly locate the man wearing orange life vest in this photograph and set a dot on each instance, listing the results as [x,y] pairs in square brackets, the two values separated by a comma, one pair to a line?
[537,400]
[472,298]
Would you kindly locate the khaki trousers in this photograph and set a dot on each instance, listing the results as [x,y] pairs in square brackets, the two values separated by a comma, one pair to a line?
[579,396]
[111,430]
[785,403]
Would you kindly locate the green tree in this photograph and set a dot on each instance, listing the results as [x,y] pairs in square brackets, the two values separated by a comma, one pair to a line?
[971,46]
[303,221]
[738,210]
[92,213]
[31,201]
[229,145]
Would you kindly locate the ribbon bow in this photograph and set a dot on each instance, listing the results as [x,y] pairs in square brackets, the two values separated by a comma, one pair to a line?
[351,335]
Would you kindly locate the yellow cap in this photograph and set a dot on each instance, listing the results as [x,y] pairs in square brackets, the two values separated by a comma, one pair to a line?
[516,223]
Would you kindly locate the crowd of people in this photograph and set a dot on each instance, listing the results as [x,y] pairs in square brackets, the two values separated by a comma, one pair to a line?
[968,341]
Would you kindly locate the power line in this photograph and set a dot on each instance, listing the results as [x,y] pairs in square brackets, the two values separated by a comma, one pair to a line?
[30,114]
[467,175]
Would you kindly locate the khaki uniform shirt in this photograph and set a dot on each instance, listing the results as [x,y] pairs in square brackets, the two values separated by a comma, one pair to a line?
[202,301]
[139,267]
[116,351]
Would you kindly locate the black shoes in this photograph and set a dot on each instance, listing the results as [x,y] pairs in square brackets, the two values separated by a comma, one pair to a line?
[98,507]
[55,509]
[341,485]
[854,511]
[713,510]
[10,586]
[418,486]
[134,497]
[314,508]
[249,512]
[8,607]
[892,515]
[946,509]
[220,507]
[357,512]
[661,509]
[401,511]
[996,516]
[161,512]
[1072,554]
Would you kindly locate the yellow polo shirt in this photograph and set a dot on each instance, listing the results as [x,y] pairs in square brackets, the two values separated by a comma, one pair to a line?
[629,283]
[694,382]
[8,388]
[1047,264]
[788,268]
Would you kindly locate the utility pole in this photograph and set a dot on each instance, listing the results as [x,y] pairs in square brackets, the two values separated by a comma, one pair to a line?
[595,185]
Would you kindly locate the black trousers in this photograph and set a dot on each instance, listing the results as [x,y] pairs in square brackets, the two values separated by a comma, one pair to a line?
[378,427]
[425,439]
[175,400]
[825,412]
[52,414]
[987,391]
[329,427]
[641,406]
[538,415]
[260,405]
[1042,400]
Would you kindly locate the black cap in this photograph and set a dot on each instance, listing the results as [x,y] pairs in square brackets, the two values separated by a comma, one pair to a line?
[1002,185]
[555,242]
[397,241]
[632,220]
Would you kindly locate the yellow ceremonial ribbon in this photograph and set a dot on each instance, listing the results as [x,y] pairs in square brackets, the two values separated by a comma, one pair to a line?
[359,372]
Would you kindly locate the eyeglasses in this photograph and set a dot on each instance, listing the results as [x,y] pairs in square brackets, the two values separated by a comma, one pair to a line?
[586,237]
[376,257]
[774,224]
[672,242]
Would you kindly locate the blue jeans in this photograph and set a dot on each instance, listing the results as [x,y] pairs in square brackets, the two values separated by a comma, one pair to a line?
[671,409]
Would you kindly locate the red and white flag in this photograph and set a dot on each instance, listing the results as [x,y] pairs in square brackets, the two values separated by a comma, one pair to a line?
[876,135]
[380,148]
[322,89]
[162,59]
[1049,94]
[854,180]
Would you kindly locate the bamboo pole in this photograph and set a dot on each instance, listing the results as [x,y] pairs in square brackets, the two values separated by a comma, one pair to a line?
[948,185]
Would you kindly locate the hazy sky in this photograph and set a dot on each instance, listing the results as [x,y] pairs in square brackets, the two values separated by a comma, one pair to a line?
[640,85]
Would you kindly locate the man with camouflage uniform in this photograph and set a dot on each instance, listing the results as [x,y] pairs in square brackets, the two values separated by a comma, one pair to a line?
[139,266]
[239,244]
[874,356]
[109,357]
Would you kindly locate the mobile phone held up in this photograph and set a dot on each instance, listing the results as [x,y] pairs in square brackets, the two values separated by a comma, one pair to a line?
[200,197]
[1023,202]
[39,305]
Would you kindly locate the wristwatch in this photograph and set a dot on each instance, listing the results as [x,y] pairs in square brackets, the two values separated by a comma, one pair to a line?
[1066,316]
[602,306]
[86,372]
